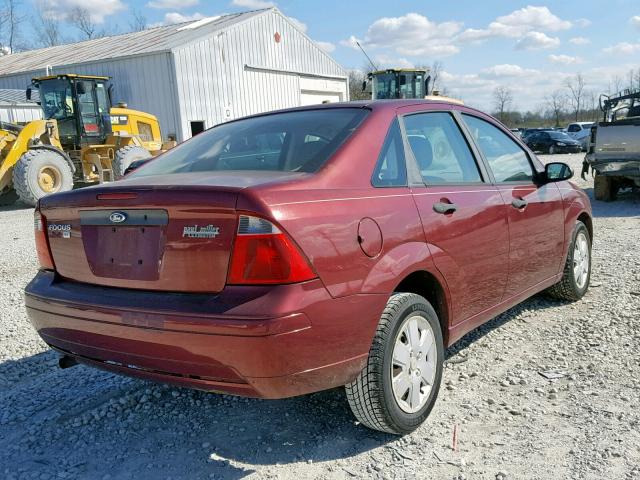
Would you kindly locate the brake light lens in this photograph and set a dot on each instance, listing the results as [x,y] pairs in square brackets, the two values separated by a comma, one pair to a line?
[263,254]
[42,243]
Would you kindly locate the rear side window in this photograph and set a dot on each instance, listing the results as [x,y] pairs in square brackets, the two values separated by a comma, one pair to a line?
[442,153]
[508,162]
[391,170]
[299,141]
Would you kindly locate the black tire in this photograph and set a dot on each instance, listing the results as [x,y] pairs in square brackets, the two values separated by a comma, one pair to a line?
[28,169]
[370,395]
[568,288]
[605,188]
[8,197]
[125,156]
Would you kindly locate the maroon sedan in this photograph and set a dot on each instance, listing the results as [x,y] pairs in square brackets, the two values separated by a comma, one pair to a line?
[306,249]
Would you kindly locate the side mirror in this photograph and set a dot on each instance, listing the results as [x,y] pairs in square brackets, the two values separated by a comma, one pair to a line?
[80,88]
[28,93]
[427,84]
[557,172]
[364,85]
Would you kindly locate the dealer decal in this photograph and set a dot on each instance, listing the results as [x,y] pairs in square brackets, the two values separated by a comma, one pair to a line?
[201,232]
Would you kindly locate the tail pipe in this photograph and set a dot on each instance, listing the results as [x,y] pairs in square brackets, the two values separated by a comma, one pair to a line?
[65,361]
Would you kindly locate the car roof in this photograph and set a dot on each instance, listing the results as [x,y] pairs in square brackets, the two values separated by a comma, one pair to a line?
[373,105]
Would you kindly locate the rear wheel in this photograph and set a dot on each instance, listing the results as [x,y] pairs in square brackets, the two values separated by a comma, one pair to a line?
[397,389]
[125,157]
[41,172]
[577,269]
[605,188]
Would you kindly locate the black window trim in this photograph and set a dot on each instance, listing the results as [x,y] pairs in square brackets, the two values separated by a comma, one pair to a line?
[413,171]
[387,138]
[534,171]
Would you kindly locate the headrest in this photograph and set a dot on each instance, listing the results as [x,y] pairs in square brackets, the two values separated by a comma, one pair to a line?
[422,150]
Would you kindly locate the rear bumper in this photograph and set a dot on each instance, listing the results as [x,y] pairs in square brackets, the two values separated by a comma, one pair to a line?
[268,342]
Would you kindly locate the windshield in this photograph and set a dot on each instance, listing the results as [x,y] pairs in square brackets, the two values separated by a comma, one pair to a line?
[398,85]
[56,99]
[298,141]
[385,86]
[559,136]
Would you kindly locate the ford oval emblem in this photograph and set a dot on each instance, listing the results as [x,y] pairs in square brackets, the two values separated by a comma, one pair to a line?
[117,217]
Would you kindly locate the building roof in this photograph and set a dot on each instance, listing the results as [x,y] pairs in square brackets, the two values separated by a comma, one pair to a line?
[17,97]
[152,40]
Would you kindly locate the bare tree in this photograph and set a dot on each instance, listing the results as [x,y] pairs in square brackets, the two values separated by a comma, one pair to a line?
[502,99]
[356,77]
[576,89]
[556,103]
[615,84]
[46,25]
[13,19]
[138,21]
[80,18]
[436,77]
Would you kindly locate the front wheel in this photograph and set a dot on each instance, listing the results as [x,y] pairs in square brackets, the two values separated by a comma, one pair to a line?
[577,269]
[41,172]
[397,388]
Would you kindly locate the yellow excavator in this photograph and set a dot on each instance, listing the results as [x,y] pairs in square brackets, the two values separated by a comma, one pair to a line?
[82,139]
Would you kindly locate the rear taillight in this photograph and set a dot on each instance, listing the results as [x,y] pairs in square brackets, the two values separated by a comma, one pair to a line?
[263,254]
[42,243]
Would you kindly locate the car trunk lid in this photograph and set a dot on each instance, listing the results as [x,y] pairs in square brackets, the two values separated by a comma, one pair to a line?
[173,238]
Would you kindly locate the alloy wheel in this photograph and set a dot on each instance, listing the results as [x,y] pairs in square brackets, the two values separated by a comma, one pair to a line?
[581,261]
[413,365]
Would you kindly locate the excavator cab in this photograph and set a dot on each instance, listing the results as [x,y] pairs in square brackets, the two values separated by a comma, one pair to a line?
[80,105]
[398,84]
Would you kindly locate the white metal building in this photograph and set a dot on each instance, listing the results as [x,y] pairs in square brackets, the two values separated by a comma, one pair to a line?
[15,108]
[197,74]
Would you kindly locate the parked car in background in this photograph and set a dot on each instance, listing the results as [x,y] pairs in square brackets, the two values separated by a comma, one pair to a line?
[516,132]
[306,249]
[530,131]
[552,142]
[580,131]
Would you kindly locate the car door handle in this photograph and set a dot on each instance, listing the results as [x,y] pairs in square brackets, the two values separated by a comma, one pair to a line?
[519,203]
[444,208]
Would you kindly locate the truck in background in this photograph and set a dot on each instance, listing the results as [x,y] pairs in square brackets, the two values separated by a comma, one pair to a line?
[614,147]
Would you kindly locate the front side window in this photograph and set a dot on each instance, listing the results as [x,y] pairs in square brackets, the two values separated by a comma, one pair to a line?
[56,98]
[299,141]
[391,169]
[508,162]
[442,153]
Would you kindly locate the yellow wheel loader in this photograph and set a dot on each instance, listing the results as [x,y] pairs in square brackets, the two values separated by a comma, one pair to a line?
[403,83]
[82,139]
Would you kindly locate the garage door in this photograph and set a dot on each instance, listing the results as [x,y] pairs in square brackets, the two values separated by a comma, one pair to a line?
[311,98]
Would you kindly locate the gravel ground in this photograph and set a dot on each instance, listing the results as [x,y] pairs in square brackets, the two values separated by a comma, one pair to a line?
[511,422]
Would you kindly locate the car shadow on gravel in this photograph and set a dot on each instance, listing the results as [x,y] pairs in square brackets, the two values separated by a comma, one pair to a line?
[161,431]
[534,304]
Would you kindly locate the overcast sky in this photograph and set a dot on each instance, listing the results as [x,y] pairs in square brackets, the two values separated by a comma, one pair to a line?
[530,47]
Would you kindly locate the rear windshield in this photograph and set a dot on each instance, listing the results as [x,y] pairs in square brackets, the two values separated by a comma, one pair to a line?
[299,141]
